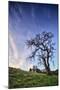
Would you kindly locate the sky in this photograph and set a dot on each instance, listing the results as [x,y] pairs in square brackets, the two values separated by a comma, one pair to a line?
[25,20]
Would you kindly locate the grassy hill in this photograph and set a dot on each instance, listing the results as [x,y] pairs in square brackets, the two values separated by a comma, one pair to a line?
[21,79]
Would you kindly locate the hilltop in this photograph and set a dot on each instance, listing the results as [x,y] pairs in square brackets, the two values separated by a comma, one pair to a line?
[21,79]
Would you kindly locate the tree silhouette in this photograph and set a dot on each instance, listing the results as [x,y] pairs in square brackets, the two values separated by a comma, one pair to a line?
[43,48]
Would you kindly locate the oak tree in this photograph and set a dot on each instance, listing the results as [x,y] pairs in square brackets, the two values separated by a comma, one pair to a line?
[43,48]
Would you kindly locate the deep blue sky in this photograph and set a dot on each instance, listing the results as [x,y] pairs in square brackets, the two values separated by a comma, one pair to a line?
[25,21]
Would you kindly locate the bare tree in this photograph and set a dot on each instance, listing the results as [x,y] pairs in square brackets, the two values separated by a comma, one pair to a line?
[43,48]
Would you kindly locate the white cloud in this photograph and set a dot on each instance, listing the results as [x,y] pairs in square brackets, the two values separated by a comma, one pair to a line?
[13,53]
[16,59]
[13,46]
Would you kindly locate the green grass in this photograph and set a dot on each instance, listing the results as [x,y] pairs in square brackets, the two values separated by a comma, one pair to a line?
[22,79]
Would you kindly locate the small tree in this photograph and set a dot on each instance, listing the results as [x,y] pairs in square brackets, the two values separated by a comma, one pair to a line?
[34,68]
[43,48]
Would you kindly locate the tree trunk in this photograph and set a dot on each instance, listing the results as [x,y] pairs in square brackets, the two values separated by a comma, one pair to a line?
[47,67]
[48,70]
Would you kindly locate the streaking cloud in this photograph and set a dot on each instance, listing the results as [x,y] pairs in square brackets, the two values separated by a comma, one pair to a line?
[13,46]
[14,59]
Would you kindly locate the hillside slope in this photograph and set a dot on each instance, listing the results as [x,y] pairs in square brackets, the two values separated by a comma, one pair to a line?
[21,79]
